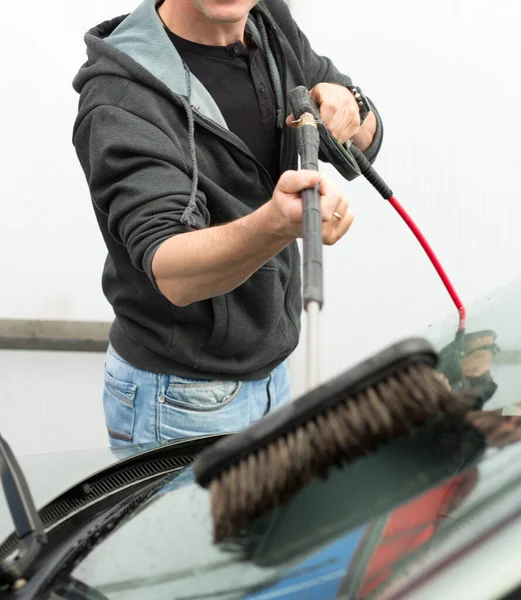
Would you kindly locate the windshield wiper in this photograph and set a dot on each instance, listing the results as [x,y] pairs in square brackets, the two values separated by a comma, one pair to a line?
[27,522]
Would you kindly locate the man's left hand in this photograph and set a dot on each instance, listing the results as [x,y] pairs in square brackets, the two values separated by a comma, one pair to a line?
[340,113]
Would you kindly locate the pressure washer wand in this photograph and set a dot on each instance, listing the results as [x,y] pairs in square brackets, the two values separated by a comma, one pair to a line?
[313,293]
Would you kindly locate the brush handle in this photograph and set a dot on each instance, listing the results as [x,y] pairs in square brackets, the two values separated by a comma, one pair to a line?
[308,147]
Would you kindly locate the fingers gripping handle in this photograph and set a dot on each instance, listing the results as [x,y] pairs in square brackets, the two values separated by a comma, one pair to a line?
[309,142]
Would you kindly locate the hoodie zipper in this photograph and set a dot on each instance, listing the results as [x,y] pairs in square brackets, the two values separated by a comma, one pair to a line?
[235,141]
[286,153]
[286,150]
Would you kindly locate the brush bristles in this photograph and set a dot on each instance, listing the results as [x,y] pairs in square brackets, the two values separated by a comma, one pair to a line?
[275,473]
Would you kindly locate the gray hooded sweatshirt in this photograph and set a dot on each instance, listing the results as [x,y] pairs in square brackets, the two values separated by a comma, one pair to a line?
[160,161]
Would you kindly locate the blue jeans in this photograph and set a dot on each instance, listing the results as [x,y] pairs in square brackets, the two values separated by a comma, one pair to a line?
[142,407]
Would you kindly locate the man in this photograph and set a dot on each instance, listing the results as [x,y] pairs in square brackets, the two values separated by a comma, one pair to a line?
[182,131]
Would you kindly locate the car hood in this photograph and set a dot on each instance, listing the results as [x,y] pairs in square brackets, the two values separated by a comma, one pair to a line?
[390,519]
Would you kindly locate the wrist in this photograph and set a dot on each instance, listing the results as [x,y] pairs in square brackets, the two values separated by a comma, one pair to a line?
[268,221]
[363,103]
[365,136]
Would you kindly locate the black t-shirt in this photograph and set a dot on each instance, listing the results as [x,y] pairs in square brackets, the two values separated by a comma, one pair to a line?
[238,79]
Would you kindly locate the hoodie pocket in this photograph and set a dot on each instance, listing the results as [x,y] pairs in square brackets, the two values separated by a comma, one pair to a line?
[220,322]
[246,321]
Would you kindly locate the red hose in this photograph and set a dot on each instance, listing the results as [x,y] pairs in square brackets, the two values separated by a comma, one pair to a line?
[434,260]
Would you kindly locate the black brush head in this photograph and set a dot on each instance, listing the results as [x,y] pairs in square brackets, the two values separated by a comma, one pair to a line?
[377,401]
[231,450]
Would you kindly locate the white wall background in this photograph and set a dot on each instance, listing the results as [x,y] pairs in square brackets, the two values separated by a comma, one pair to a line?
[444,76]
[51,253]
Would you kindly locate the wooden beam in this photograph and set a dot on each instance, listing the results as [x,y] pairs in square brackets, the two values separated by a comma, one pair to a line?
[75,336]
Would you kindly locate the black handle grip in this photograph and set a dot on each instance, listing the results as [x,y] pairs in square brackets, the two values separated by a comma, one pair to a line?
[300,102]
[308,147]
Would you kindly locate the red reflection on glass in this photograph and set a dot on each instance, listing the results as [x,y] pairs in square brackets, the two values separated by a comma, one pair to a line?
[412,526]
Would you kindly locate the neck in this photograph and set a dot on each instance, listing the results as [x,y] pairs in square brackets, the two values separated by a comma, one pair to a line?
[183,19]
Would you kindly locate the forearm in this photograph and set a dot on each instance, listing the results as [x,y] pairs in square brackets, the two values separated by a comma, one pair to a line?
[211,262]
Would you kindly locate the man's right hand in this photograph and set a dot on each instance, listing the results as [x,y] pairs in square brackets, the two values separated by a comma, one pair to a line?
[286,206]
[210,262]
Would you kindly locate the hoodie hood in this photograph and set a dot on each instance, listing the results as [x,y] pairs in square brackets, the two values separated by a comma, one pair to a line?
[140,37]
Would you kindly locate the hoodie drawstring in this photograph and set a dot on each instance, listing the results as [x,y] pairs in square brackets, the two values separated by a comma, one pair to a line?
[187,217]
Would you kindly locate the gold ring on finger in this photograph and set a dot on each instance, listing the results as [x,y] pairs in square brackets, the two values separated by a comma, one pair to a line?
[339,217]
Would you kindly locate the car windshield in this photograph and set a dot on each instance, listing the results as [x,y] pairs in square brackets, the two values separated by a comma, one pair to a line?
[370,529]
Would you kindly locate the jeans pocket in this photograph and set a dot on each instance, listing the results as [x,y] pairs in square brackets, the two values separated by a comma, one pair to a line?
[200,395]
[118,404]
[189,408]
